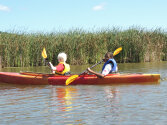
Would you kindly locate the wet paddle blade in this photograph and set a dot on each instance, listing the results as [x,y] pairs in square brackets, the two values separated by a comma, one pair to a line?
[44,55]
[117,51]
[71,79]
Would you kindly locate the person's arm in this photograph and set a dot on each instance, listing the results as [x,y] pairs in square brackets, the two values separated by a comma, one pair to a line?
[105,72]
[97,74]
[58,68]
[52,67]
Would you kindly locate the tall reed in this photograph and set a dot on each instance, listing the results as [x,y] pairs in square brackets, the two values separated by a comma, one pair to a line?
[83,47]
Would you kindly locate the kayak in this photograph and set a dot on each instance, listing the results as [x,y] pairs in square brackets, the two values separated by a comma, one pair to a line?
[26,78]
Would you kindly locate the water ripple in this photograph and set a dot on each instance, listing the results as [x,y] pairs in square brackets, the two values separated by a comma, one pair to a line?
[64,105]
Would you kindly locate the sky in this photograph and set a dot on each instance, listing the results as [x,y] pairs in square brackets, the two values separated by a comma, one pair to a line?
[64,15]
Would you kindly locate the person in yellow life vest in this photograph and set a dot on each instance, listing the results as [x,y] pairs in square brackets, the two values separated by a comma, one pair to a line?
[62,68]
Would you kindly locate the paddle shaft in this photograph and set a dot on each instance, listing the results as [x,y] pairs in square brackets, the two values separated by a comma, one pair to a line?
[92,67]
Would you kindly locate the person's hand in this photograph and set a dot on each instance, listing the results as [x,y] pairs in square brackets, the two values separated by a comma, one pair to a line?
[89,70]
[49,64]
[85,73]
[47,59]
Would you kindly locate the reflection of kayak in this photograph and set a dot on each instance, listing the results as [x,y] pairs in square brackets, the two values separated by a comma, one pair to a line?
[51,79]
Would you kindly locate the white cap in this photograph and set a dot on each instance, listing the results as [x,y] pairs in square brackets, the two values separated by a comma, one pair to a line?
[62,56]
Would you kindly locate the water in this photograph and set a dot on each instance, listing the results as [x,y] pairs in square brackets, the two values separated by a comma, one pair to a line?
[89,104]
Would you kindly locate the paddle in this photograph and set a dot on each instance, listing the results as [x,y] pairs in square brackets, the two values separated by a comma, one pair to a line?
[44,55]
[73,77]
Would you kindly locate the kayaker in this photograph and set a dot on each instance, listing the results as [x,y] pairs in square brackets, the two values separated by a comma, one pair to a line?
[109,67]
[62,68]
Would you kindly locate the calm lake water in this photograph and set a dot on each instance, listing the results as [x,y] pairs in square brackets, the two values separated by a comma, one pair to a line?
[86,105]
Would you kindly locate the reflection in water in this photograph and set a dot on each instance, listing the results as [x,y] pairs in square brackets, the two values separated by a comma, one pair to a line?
[64,96]
[87,105]
[111,92]
[63,99]
[113,102]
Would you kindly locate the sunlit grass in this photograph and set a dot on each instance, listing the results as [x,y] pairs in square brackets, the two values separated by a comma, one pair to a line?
[83,47]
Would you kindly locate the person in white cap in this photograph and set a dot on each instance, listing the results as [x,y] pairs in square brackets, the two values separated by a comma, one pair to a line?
[62,68]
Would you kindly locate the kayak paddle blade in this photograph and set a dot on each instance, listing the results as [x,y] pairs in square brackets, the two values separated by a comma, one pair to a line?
[71,79]
[44,55]
[117,51]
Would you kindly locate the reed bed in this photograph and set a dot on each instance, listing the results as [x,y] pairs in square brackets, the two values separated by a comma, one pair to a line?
[83,47]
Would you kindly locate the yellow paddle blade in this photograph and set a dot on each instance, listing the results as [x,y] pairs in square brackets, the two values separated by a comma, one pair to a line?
[117,51]
[71,79]
[44,55]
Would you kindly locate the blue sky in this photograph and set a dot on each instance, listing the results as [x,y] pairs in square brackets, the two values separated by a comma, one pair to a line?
[58,15]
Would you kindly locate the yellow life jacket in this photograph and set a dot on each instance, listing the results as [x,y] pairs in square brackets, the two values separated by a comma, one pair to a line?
[66,68]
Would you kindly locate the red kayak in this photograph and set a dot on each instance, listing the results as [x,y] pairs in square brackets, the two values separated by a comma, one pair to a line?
[25,78]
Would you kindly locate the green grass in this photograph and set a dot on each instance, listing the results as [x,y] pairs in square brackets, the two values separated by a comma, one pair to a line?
[83,47]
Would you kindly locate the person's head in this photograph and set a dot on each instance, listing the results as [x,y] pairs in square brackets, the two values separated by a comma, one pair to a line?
[62,57]
[108,55]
